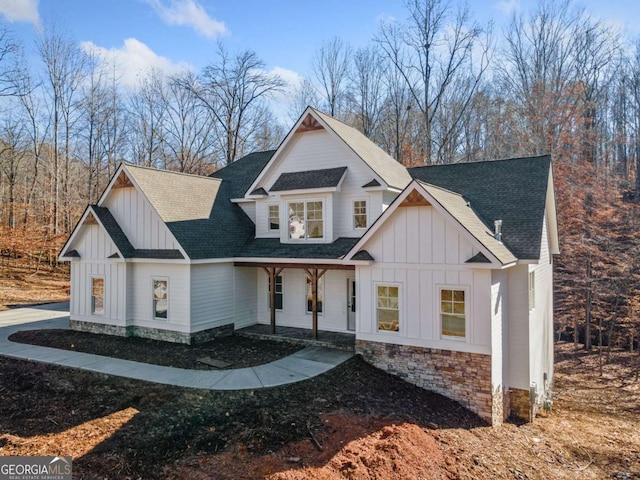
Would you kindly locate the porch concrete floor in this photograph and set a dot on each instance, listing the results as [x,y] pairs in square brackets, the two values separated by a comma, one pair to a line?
[301,336]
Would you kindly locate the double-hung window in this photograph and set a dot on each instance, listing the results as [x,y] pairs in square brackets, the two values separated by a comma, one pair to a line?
[360,214]
[97,295]
[388,308]
[160,298]
[306,220]
[274,217]
[453,316]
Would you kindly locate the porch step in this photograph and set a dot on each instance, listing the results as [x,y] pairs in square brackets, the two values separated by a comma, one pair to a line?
[300,336]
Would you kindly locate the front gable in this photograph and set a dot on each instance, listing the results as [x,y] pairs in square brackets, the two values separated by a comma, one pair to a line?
[90,241]
[428,225]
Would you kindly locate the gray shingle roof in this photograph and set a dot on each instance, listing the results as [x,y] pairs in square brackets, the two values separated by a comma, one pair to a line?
[198,211]
[272,248]
[122,242]
[512,190]
[325,178]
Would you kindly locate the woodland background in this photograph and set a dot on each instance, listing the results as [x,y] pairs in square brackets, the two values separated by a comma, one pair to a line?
[435,88]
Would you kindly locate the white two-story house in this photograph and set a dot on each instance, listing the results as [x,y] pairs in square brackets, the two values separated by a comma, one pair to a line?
[443,274]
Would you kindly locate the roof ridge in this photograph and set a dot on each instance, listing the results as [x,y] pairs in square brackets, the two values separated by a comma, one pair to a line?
[163,170]
[490,160]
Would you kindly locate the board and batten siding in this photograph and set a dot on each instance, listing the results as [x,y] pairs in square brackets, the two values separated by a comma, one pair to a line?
[320,150]
[293,313]
[94,246]
[140,295]
[418,250]
[139,220]
[245,296]
[212,292]
[541,316]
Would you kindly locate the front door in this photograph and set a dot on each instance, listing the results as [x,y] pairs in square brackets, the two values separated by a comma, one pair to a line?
[351,304]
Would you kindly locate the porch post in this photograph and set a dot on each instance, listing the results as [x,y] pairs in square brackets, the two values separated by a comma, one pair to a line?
[273,273]
[313,274]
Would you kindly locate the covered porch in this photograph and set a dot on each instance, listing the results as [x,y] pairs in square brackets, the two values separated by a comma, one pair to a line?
[303,283]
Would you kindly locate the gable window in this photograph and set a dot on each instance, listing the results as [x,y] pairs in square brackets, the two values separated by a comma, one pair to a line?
[319,300]
[453,313]
[360,214]
[160,298]
[97,295]
[387,308]
[532,290]
[306,220]
[274,217]
[279,296]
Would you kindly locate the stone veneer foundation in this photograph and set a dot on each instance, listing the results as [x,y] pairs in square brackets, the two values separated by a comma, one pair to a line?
[464,377]
[521,404]
[153,333]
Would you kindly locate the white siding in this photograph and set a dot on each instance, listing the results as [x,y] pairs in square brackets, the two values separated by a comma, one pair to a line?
[245,296]
[212,302]
[250,209]
[499,330]
[94,246]
[319,150]
[419,251]
[293,313]
[541,316]
[138,219]
[518,305]
[140,296]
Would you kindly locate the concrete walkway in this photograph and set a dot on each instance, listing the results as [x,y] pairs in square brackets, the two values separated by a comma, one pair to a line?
[302,365]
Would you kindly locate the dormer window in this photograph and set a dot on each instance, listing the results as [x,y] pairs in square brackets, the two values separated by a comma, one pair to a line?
[306,220]
[274,217]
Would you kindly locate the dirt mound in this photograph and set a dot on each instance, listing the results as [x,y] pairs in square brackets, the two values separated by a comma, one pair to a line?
[348,446]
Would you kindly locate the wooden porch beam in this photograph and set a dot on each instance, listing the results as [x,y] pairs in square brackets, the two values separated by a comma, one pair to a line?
[304,266]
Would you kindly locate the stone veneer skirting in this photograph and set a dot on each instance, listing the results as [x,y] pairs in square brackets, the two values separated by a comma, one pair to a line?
[153,333]
[521,404]
[464,377]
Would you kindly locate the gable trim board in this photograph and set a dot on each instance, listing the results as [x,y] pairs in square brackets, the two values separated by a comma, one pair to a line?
[428,228]
[387,172]
[456,210]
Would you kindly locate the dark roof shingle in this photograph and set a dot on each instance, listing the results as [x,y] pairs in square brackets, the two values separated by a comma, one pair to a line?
[272,248]
[325,178]
[513,190]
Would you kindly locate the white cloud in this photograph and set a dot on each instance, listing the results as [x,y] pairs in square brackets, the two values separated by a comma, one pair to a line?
[281,102]
[134,60]
[20,11]
[507,6]
[189,13]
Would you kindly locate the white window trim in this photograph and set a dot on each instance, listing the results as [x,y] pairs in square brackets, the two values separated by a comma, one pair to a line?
[531,289]
[353,213]
[324,302]
[269,294]
[400,307]
[104,296]
[467,311]
[153,309]
[269,229]
[324,220]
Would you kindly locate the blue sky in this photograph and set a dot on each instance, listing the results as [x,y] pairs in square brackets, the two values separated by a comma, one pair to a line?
[176,34]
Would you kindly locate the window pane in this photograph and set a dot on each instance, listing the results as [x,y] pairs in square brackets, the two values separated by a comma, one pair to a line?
[458,308]
[393,292]
[98,304]
[98,286]
[274,217]
[296,220]
[445,307]
[388,320]
[316,229]
[446,295]
[160,295]
[458,295]
[360,214]
[453,326]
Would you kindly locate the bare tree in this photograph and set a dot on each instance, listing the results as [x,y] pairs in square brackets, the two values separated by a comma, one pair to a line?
[366,92]
[442,57]
[64,68]
[188,129]
[304,95]
[331,67]
[233,88]
[12,155]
